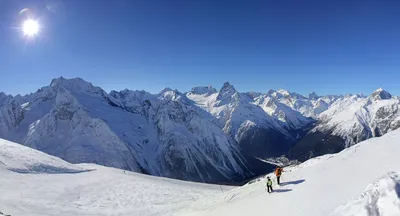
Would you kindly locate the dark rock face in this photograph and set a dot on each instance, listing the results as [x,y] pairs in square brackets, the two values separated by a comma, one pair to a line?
[384,120]
[381,94]
[313,96]
[203,90]
[316,144]
[228,94]
[262,142]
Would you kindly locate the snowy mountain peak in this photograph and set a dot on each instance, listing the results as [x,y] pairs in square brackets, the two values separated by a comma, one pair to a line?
[63,81]
[313,96]
[131,98]
[381,94]
[253,94]
[4,97]
[166,89]
[203,90]
[227,85]
[75,85]
[228,93]
[283,92]
[169,94]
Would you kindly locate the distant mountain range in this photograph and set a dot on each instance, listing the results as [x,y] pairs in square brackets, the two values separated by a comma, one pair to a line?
[202,135]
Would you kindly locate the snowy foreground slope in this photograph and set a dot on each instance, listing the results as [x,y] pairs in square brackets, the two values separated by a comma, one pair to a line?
[33,183]
[363,180]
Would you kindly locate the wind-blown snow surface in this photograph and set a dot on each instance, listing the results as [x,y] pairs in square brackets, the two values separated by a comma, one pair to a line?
[362,180]
[35,184]
[17,158]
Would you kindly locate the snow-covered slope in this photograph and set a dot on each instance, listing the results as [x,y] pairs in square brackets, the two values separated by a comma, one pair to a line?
[362,180]
[290,117]
[262,126]
[21,159]
[350,120]
[254,119]
[35,184]
[310,106]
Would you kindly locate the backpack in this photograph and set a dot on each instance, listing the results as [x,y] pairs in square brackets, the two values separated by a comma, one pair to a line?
[279,171]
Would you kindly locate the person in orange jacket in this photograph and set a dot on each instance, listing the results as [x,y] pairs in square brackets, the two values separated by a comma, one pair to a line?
[278,173]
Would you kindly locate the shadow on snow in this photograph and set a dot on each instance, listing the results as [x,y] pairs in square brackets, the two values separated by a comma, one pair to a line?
[293,182]
[48,169]
[281,190]
[397,189]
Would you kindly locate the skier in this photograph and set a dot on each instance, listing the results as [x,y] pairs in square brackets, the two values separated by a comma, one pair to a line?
[278,173]
[269,185]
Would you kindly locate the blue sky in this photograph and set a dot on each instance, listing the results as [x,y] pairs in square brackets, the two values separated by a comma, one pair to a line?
[330,47]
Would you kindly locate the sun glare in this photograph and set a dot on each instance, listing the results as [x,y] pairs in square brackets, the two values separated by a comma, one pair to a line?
[30,27]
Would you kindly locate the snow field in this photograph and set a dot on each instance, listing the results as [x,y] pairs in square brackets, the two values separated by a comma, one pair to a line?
[360,181]
[60,188]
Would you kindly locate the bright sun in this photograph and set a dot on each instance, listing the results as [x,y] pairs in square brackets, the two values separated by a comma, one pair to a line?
[30,27]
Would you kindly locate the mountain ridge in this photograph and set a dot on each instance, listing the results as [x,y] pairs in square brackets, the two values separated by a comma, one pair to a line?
[205,134]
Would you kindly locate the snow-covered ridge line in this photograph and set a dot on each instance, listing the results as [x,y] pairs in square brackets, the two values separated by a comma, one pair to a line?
[203,135]
[162,135]
[21,159]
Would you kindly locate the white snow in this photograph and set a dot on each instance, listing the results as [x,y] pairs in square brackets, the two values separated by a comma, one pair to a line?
[178,135]
[22,159]
[132,130]
[380,198]
[357,116]
[362,180]
[234,110]
[36,184]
